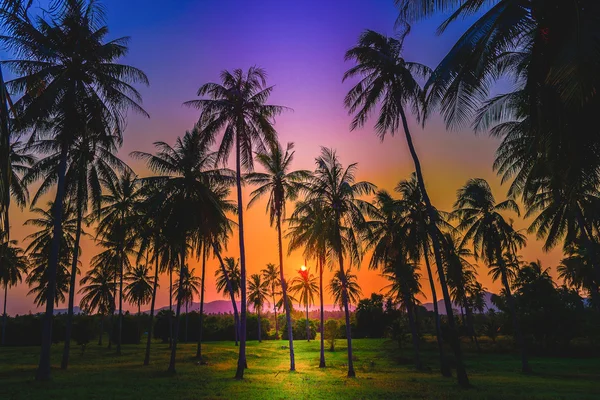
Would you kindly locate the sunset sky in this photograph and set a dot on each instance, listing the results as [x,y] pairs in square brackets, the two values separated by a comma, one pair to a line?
[301,44]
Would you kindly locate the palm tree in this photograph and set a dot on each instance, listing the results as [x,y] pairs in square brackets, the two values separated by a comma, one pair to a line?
[404,288]
[577,273]
[187,287]
[272,280]
[485,227]
[190,202]
[98,288]
[258,292]
[18,161]
[238,108]
[387,78]
[336,188]
[228,279]
[281,185]
[305,287]
[306,229]
[116,218]
[68,75]
[13,265]
[138,290]
[336,288]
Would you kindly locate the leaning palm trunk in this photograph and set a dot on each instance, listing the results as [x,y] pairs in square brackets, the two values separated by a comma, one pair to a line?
[288,316]
[177,313]
[231,293]
[461,372]
[351,372]
[65,357]
[239,374]
[120,329]
[444,368]
[321,328]
[4,316]
[43,372]
[152,303]
[513,310]
[200,331]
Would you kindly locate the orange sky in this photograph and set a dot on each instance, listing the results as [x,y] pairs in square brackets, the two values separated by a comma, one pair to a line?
[301,45]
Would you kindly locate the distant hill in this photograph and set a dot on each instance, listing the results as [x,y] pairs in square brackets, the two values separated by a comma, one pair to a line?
[442,308]
[76,310]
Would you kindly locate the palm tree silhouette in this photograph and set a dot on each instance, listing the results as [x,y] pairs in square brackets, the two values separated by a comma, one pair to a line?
[305,287]
[272,280]
[228,279]
[98,288]
[388,79]
[187,287]
[258,292]
[336,288]
[13,266]
[138,289]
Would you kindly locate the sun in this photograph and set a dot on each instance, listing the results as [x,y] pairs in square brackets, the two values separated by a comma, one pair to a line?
[303,268]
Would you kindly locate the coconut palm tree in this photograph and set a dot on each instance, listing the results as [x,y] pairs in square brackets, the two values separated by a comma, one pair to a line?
[388,80]
[228,279]
[258,293]
[306,230]
[281,185]
[98,287]
[336,188]
[404,288]
[19,159]
[13,266]
[116,217]
[336,288]
[271,277]
[491,235]
[69,75]
[577,273]
[237,108]
[138,288]
[187,287]
[305,287]
[190,203]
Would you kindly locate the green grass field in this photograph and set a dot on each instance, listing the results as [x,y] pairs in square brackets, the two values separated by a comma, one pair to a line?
[383,372]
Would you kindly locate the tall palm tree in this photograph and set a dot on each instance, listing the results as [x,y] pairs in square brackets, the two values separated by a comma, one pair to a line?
[305,287]
[69,75]
[271,277]
[404,288]
[187,176]
[491,235]
[258,293]
[307,227]
[187,287]
[386,78]
[98,288]
[228,279]
[281,185]
[336,188]
[237,107]
[116,217]
[577,273]
[13,265]
[336,288]
[138,290]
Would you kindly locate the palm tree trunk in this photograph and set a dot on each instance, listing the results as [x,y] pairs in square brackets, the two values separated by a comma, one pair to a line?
[461,372]
[471,327]
[4,316]
[275,311]
[288,316]
[152,303]
[5,157]
[101,329]
[413,328]
[170,319]
[239,374]
[120,331]
[171,368]
[525,368]
[65,357]
[351,373]
[322,312]
[43,371]
[259,328]
[307,327]
[199,349]
[230,290]
[186,321]
[444,368]
[112,315]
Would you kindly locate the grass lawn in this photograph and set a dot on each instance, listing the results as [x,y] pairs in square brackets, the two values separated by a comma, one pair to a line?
[382,373]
